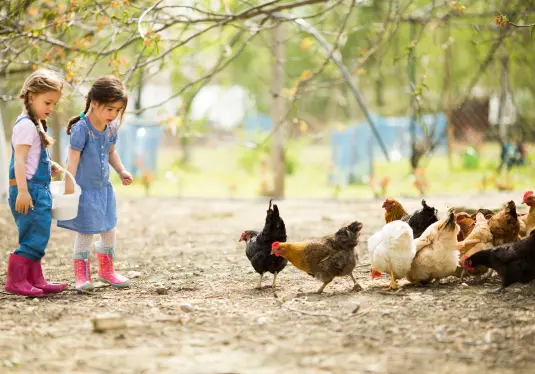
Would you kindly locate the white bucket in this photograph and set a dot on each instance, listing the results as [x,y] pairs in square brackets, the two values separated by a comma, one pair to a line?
[64,207]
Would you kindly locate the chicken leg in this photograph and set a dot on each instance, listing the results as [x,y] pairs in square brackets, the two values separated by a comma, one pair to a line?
[322,287]
[274,280]
[259,286]
[393,283]
[463,273]
[356,286]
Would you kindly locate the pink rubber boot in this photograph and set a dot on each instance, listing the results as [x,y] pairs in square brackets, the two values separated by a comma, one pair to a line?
[106,272]
[37,279]
[18,269]
[82,271]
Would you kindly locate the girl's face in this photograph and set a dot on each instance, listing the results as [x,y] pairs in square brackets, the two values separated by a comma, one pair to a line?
[43,104]
[106,113]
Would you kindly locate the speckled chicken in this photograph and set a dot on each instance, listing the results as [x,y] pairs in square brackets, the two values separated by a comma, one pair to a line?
[325,258]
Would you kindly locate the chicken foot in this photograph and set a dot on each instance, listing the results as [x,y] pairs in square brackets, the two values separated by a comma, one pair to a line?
[356,287]
[259,286]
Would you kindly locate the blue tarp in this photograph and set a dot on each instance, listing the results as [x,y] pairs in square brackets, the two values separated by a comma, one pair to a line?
[355,148]
[138,140]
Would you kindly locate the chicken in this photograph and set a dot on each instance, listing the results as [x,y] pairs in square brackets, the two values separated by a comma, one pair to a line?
[393,210]
[529,221]
[326,257]
[514,262]
[258,245]
[479,239]
[436,254]
[504,225]
[466,224]
[421,219]
[418,221]
[392,251]
[486,212]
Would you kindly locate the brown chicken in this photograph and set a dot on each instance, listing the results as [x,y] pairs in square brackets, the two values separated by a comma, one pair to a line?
[324,258]
[486,212]
[394,211]
[479,239]
[529,220]
[504,225]
[466,223]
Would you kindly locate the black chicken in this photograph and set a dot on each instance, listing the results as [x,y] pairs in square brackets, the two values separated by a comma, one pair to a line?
[421,219]
[514,262]
[258,245]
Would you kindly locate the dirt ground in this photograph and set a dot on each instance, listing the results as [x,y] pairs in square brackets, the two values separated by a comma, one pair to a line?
[193,308]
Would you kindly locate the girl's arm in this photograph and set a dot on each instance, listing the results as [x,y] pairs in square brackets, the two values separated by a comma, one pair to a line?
[24,200]
[117,164]
[72,166]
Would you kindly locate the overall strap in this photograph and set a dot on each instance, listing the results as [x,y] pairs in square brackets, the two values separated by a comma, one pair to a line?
[20,119]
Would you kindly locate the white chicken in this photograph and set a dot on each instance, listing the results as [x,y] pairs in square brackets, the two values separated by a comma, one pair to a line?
[391,251]
[436,253]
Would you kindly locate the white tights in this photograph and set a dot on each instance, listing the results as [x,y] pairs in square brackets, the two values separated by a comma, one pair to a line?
[83,242]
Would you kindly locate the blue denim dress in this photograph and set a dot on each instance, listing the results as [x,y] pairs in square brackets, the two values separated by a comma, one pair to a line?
[97,209]
[34,227]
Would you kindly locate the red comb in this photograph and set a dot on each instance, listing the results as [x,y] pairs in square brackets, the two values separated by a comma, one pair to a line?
[527,194]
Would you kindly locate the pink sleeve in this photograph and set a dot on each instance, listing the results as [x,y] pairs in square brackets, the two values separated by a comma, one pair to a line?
[24,132]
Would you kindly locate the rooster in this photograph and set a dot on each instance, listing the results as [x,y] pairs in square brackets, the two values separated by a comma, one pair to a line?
[258,245]
[392,251]
[514,262]
[436,254]
[324,258]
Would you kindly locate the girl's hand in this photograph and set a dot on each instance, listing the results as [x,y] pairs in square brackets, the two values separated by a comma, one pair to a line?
[69,188]
[126,178]
[24,202]
[56,170]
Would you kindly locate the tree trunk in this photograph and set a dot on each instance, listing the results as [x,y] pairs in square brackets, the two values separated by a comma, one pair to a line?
[447,93]
[415,156]
[504,59]
[277,111]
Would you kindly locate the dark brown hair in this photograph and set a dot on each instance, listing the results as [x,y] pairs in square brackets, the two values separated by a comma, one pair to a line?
[39,82]
[106,90]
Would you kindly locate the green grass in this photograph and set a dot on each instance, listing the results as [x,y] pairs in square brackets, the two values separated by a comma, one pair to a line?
[216,172]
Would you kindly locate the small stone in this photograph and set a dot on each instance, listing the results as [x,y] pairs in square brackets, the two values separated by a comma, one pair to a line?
[161,291]
[187,307]
[35,300]
[108,321]
[134,274]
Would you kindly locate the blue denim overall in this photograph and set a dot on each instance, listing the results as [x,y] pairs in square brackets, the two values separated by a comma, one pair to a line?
[34,227]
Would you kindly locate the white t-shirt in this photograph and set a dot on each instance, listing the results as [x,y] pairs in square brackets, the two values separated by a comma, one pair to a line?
[26,133]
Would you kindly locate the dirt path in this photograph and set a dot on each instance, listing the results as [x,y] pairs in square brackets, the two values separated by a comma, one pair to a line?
[193,307]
